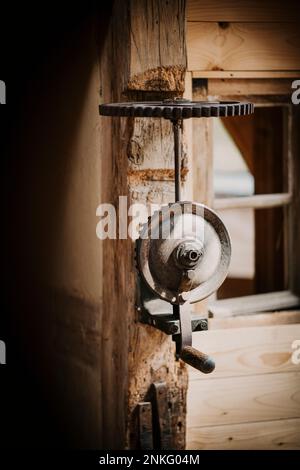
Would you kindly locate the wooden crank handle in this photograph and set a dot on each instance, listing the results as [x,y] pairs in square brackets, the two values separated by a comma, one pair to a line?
[197,359]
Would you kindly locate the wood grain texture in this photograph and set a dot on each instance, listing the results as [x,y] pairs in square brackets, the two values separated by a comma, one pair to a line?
[248,351]
[269,435]
[118,299]
[158,51]
[243,10]
[235,400]
[157,41]
[243,46]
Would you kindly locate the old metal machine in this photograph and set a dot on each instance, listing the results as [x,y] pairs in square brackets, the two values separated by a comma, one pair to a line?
[184,250]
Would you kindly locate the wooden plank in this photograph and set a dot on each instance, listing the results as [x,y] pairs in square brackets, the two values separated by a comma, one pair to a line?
[269,435]
[248,351]
[251,304]
[243,46]
[245,87]
[158,50]
[114,356]
[243,10]
[235,400]
[260,319]
[258,201]
[156,70]
[237,74]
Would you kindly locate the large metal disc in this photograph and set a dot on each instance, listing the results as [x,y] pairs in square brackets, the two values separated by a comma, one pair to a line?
[183,252]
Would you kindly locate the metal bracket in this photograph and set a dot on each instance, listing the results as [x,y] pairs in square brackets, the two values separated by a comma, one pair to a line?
[155,419]
[159,313]
[174,320]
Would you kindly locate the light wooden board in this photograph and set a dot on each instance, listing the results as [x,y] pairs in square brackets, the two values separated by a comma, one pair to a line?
[235,400]
[269,435]
[243,46]
[247,351]
[243,10]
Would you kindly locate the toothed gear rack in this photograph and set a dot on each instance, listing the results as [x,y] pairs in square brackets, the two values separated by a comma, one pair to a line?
[184,250]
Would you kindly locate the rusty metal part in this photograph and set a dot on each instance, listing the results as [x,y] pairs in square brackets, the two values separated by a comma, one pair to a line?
[177,109]
[177,127]
[145,425]
[188,254]
[162,416]
[160,314]
[184,349]
[168,325]
[164,235]
[183,313]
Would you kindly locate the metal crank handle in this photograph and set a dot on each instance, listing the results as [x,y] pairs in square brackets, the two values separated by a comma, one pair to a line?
[197,359]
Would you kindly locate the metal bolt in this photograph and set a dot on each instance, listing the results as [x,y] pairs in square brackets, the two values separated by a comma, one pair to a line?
[188,253]
[173,328]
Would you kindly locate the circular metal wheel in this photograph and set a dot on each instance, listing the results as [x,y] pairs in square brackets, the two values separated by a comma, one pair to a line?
[183,252]
[177,109]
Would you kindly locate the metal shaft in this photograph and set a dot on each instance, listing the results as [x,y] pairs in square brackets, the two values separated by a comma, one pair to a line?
[177,157]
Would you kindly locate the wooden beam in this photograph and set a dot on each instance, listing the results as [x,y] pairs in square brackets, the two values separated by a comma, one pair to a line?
[117,296]
[246,87]
[243,10]
[157,68]
[135,355]
[258,201]
[243,46]
[238,74]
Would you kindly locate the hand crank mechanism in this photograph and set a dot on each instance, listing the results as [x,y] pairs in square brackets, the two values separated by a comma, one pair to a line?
[184,250]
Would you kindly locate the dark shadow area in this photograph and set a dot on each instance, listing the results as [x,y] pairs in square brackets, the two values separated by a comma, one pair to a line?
[47,54]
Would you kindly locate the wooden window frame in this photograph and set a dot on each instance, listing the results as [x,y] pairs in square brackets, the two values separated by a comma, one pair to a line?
[260,92]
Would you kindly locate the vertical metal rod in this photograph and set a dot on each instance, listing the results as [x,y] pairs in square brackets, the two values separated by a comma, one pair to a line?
[177,157]
[177,163]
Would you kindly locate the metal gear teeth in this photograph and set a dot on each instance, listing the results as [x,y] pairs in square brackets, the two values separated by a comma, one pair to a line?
[177,110]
